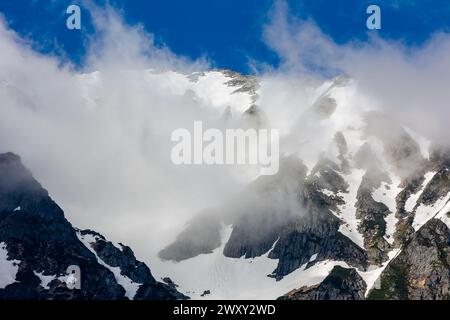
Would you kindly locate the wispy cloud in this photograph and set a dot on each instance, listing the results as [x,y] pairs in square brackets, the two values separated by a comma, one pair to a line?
[408,82]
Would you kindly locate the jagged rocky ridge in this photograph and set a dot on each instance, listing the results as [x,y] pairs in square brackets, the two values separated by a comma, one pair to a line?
[41,244]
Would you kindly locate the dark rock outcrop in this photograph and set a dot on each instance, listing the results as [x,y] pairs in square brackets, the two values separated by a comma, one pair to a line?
[316,233]
[253,235]
[297,236]
[202,235]
[438,187]
[372,213]
[326,175]
[340,284]
[260,214]
[422,270]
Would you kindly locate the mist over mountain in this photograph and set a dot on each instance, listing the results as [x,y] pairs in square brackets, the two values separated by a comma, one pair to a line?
[358,209]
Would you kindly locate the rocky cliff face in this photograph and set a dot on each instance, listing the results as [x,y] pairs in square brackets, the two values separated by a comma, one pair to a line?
[40,246]
[422,269]
[315,233]
[340,284]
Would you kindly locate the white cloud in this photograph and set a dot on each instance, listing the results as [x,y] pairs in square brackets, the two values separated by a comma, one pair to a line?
[407,82]
[100,142]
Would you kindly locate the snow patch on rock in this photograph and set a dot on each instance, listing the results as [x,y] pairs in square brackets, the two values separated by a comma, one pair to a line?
[129,285]
[8,268]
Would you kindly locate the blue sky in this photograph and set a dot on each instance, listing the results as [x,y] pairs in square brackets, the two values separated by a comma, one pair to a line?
[228,32]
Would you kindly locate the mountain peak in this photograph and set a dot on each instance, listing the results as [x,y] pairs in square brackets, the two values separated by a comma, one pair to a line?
[41,244]
[9,157]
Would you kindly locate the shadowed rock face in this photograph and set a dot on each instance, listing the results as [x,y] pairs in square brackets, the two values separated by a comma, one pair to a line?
[202,235]
[316,233]
[420,272]
[36,234]
[257,220]
[422,269]
[372,214]
[253,235]
[400,149]
[259,226]
[295,238]
[437,188]
[340,284]
[326,175]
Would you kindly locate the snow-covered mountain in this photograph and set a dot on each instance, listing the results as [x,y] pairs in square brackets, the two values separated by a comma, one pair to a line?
[355,189]
[359,208]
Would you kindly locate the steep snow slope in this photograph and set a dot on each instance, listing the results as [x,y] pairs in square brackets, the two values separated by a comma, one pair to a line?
[237,278]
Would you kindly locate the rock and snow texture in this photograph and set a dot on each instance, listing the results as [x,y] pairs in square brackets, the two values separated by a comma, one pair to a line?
[354,189]
[376,178]
[129,285]
[216,89]
[412,200]
[238,278]
[47,279]
[347,210]
[386,194]
[423,213]
[421,270]
[8,268]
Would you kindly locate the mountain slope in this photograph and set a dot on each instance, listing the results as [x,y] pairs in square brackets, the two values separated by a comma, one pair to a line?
[356,190]
[38,245]
[354,187]
[422,269]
